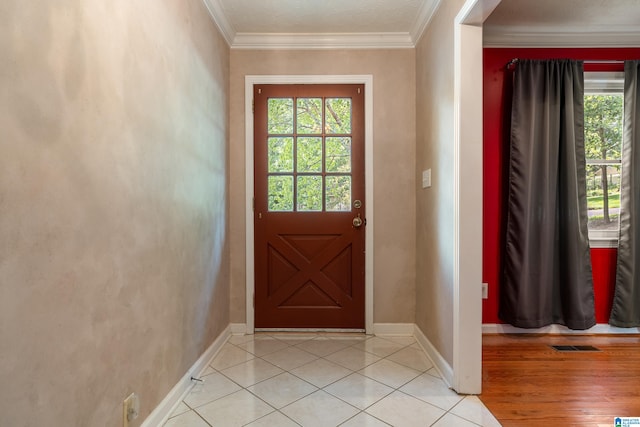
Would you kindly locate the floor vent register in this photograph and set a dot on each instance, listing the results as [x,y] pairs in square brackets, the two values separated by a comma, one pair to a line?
[573,348]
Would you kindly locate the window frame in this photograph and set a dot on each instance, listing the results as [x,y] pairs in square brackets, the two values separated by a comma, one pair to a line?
[603,83]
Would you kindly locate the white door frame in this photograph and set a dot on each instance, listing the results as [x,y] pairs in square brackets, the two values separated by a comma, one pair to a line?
[250,81]
[468,141]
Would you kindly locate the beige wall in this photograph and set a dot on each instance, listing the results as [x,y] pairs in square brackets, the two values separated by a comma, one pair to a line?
[394,153]
[113,204]
[435,205]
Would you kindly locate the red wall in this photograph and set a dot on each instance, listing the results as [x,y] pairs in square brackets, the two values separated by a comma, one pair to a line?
[497,96]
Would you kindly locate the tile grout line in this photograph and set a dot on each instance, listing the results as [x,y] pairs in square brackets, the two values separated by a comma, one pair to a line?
[279,410]
[362,411]
[460,416]
[403,346]
[327,385]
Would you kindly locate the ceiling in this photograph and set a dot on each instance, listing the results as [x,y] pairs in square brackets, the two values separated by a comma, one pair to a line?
[312,24]
[595,23]
[328,16]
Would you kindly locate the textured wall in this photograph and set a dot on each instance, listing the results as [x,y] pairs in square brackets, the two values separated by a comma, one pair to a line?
[394,153]
[435,205]
[113,204]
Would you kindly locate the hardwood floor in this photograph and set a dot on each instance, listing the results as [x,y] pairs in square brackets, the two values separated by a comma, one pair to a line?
[527,383]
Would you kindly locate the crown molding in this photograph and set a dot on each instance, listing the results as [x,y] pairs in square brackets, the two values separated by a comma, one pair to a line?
[503,37]
[561,39]
[322,41]
[427,10]
[325,40]
[216,11]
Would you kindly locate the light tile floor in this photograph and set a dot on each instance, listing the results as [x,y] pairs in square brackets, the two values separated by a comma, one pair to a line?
[319,379]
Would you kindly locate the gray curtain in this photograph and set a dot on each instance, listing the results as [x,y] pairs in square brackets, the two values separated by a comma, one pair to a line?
[547,265]
[626,301]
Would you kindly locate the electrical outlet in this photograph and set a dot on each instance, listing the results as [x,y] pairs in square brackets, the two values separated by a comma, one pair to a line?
[130,409]
[485,290]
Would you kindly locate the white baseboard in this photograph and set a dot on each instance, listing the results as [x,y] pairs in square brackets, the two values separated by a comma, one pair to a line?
[444,369]
[393,329]
[238,328]
[161,413]
[600,328]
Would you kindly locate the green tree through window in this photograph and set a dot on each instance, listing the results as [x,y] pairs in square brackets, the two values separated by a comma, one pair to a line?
[603,147]
[309,154]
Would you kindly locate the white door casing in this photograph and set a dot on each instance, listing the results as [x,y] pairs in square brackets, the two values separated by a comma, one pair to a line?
[467,299]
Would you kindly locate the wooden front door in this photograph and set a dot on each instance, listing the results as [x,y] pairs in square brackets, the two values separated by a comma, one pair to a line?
[309,206]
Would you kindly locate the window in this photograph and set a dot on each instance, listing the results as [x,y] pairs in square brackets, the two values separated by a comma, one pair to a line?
[603,115]
[309,152]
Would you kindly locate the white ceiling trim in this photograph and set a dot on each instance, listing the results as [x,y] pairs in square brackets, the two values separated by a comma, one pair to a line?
[216,12]
[425,14]
[562,39]
[323,41]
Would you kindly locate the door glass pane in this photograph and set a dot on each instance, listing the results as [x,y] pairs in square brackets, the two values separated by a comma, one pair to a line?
[603,196]
[338,115]
[310,193]
[338,190]
[338,158]
[280,116]
[281,193]
[309,154]
[309,116]
[280,154]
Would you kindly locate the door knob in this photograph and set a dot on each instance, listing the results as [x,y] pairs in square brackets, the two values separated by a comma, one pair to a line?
[357,221]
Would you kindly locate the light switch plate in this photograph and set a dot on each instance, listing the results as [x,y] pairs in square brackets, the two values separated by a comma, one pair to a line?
[426,178]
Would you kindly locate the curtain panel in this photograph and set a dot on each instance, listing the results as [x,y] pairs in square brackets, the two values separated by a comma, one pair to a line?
[547,267]
[625,312]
